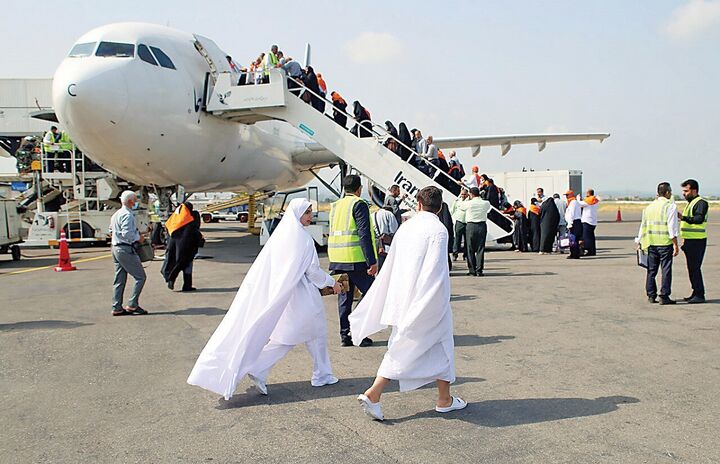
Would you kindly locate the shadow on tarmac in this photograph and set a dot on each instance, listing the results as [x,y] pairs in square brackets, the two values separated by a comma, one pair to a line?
[518,274]
[35,325]
[507,413]
[462,297]
[294,392]
[466,340]
[211,311]
[218,290]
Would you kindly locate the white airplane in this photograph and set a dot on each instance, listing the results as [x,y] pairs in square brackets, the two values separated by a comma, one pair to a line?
[131,95]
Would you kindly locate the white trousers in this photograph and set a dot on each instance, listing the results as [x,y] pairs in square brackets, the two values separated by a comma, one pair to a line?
[274,352]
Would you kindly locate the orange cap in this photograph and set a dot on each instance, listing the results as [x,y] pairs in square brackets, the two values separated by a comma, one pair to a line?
[570,193]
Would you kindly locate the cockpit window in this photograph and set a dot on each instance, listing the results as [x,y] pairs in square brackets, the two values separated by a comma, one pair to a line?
[120,50]
[162,58]
[145,55]
[82,49]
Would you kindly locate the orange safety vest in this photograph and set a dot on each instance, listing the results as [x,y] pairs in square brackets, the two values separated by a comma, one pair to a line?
[180,217]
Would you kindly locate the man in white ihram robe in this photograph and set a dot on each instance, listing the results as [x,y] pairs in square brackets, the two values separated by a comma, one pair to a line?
[277,307]
[412,294]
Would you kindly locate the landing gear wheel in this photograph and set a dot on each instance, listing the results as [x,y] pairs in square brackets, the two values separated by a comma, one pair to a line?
[15,252]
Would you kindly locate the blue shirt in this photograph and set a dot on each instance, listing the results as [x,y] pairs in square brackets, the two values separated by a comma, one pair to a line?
[123,228]
[293,68]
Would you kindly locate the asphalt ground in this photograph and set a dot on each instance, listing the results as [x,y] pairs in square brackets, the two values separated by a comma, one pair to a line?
[561,361]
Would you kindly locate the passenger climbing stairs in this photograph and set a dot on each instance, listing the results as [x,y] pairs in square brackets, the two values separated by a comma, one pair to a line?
[252,103]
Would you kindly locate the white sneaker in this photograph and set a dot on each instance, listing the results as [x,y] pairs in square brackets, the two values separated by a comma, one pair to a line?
[371,409]
[329,380]
[259,384]
[457,404]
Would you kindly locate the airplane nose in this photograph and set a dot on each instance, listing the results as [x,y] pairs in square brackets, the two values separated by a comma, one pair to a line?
[90,99]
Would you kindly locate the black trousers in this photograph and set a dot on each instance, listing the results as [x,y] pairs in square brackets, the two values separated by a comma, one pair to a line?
[475,235]
[577,230]
[694,253]
[459,243]
[659,258]
[361,280]
[589,238]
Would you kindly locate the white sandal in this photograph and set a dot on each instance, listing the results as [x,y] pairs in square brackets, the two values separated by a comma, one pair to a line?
[457,404]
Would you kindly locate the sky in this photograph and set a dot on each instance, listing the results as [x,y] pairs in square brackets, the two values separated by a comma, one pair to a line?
[647,72]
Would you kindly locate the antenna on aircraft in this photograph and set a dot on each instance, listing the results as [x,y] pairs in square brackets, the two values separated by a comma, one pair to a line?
[307,55]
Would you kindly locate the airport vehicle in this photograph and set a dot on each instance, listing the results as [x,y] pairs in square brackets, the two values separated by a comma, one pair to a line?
[160,108]
[319,229]
[10,228]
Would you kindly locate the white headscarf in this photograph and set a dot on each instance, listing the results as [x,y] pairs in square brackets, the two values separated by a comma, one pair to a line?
[258,305]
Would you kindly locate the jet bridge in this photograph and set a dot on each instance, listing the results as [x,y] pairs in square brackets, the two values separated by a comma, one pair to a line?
[248,104]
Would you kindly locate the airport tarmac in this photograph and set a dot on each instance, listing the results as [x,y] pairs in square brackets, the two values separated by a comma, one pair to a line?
[561,361]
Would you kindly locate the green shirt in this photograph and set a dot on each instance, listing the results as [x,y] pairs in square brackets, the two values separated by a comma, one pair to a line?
[476,209]
[456,213]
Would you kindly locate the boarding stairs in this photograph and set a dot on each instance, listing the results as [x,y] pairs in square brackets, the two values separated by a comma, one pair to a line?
[248,104]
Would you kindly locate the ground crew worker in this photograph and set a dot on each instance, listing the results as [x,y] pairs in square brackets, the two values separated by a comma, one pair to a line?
[693,231]
[50,139]
[658,238]
[65,145]
[271,61]
[351,249]
[476,213]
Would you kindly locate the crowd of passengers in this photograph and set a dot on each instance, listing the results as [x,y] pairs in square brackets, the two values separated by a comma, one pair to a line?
[427,158]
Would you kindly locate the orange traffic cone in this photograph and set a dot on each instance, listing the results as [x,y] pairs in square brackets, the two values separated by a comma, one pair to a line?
[64,263]
[618,218]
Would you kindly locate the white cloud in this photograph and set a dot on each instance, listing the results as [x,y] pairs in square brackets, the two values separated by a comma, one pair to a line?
[693,18]
[374,48]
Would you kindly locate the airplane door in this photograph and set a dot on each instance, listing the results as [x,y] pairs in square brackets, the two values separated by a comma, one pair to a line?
[216,58]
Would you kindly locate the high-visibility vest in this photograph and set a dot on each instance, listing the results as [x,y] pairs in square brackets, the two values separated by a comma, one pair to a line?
[344,240]
[271,60]
[48,147]
[693,231]
[65,143]
[654,227]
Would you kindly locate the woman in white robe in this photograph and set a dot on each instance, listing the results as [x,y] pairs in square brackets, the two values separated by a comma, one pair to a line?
[277,307]
[412,295]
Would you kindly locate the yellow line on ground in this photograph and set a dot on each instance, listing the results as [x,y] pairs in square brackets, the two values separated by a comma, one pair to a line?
[32,269]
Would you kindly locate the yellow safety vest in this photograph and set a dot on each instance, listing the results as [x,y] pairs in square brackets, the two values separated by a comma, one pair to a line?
[693,231]
[48,147]
[271,60]
[344,241]
[654,228]
[65,143]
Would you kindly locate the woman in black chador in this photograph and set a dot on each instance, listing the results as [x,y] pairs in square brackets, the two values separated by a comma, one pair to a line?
[549,221]
[182,247]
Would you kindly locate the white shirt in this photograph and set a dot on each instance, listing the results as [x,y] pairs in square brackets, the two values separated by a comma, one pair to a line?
[471,180]
[589,213]
[572,212]
[672,223]
[561,206]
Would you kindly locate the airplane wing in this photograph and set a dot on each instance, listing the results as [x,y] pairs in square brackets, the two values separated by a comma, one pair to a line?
[507,141]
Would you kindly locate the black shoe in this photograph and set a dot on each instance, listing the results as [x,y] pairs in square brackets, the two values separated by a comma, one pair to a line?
[366,342]
[136,312]
[191,289]
[664,300]
[471,273]
[120,312]
[696,300]
[688,298]
[346,341]
[590,254]
[455,256]
[652,299]
[572,257]
[479,274]
[171,284]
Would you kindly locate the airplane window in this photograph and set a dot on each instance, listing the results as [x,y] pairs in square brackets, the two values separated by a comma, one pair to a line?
[145,55]
[162,58]
[83,49]
[121,50]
